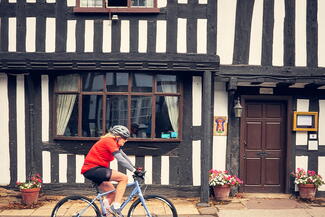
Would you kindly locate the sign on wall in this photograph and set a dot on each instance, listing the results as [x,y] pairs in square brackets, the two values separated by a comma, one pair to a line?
[305,121]
[220,126]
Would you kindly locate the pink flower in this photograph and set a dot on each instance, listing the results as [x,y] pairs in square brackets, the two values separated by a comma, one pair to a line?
[311,172]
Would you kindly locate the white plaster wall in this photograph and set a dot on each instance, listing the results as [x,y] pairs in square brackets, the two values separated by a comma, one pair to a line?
[161,36]
[301,33]
[143,35]
[302,137]
[181,35]
[321,123]
[21,138]
[202,35]
[219,146]
[196,162]
[45,108]
[71,3]
[107,36]
[278,33]
[30,34]
[321,170]
[196,100]
[46,166]
[63,168]
[226,30]
[71,36]
[89,36]
[125,36]
[12,34]
[128,172]
[161,3]
[301,162]
[321,32]
[50,35]
[255,50]
[165,170]
[79,162]
[148,168]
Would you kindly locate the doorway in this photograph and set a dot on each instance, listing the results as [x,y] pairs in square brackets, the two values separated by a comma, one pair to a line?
[263,148]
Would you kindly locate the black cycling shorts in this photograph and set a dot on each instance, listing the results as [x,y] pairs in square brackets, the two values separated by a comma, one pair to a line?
[98,174]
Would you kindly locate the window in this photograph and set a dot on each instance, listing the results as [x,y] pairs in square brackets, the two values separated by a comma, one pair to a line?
[121,6]
[87,105]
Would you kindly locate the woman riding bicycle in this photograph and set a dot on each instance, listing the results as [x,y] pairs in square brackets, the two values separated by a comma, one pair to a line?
[96,166]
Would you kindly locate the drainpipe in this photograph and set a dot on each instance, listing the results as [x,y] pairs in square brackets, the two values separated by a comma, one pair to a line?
[206,150]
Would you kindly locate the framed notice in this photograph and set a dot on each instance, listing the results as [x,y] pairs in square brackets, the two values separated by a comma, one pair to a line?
[220,126]
[305,121]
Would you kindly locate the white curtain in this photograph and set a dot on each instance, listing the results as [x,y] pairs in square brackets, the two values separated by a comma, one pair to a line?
[65,102]
[172,104]
[149,3]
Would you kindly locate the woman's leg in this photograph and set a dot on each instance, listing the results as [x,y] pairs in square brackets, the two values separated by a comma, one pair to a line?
[122,180]
[108,186]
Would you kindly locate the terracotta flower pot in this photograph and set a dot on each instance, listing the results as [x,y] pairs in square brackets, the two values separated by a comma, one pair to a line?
[221,192]
[30,196]
[307,191]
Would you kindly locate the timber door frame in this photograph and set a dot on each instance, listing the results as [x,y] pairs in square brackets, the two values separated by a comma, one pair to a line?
[289,155]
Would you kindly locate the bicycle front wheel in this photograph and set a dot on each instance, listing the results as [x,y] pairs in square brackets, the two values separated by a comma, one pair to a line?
[156,205]
[75,206]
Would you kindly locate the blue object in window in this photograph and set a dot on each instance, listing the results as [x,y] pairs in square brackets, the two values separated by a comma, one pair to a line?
[173,134]
[165,135]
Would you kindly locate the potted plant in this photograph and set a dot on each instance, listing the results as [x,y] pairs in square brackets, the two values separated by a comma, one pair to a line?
[30,189]
[307,182]
[222,181]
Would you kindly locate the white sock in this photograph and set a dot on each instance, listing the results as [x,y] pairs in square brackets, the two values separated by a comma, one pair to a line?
[116,205]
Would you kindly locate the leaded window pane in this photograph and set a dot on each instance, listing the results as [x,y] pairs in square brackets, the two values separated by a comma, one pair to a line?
[141,113]
[117,3]
[142,82]
[116,111]
[93,82]
[167,83]
[117,81]
[167,117]
[142,3]
[92,115]
[67,82]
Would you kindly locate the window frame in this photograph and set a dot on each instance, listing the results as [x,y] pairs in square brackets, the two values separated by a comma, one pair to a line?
[104,9]
[154,93]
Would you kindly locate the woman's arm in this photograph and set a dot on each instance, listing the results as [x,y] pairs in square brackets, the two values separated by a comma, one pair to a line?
[122,159]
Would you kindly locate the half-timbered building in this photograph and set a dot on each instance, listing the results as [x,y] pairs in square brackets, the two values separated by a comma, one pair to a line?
[170,71]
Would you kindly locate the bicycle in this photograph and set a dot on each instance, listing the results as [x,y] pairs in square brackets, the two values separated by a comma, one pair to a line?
[148,205]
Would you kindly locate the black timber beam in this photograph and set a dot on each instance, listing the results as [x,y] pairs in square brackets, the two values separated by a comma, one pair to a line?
[270,71]
[206,147]
[314,85]
[120,61]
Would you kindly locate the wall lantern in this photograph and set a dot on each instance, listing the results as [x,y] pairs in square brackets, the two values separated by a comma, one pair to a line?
[238,109]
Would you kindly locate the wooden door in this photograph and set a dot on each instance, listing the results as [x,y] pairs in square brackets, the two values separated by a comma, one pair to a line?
[262,155]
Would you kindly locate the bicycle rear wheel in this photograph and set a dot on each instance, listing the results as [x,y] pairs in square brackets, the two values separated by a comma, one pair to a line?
[75,206]
[157,206]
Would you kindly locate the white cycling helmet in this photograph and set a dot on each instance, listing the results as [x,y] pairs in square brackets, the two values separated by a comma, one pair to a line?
[120,130]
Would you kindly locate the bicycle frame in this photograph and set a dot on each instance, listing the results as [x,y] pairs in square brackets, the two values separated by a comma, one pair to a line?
[135,192]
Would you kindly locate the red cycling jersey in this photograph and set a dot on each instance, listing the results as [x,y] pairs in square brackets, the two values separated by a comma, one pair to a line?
[101,154]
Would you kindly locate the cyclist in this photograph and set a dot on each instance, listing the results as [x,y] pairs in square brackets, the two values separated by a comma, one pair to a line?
[96,166]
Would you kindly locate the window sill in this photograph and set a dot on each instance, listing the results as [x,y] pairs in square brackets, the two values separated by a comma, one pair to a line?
[115,10]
